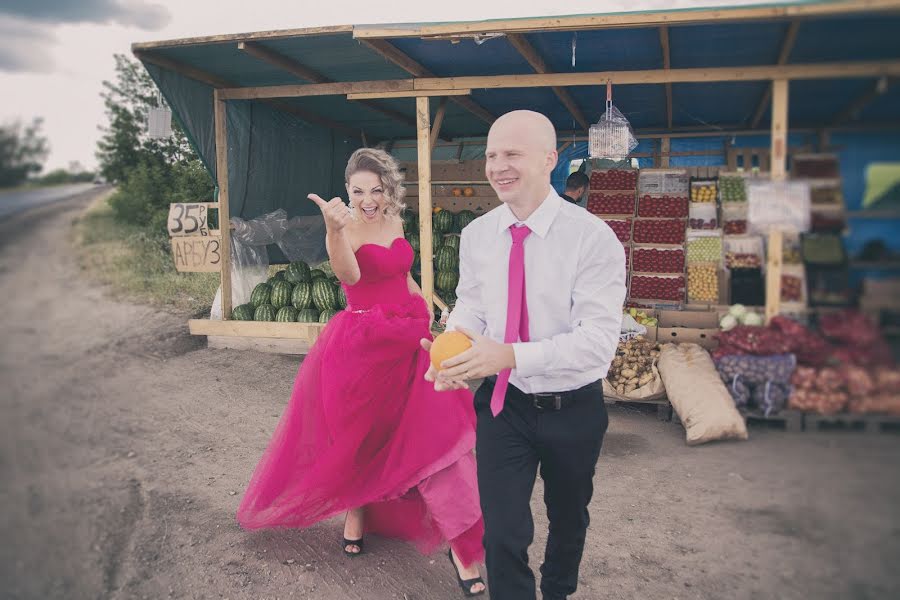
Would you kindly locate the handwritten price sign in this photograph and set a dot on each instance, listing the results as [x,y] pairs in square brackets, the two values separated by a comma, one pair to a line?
[189,219]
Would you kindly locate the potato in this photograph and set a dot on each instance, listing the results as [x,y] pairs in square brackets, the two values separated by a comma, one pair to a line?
[645,379]
[629,389]
[629,373]
[617,362]
[632,381]
[620,389]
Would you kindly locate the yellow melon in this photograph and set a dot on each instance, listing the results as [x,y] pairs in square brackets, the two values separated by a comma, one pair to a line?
[447,345]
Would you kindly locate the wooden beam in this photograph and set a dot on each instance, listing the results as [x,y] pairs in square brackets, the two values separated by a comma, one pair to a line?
[631,19]
[409,94]
[221,125]
[523,47]
[423,117]
[301,71]
[563,146]
[889,68]
[667,65]
[774,256]
[852,110]
[277,34]
[285,63]
[183,69]
[664,151]
[390,53]
[784,53]
[438,122]
[221,85]
[779,129]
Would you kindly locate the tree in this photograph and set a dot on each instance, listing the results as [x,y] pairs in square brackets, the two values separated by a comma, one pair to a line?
[125,143]
[22,151]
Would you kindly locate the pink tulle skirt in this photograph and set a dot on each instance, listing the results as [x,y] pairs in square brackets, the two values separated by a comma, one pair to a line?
[364,429]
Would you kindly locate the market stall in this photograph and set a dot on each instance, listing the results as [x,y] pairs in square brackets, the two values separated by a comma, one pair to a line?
[715,207]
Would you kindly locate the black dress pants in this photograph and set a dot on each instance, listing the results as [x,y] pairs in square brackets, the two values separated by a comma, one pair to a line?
[510,447]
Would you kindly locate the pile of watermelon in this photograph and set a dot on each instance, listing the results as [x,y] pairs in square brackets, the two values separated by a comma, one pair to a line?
[296,294]
[446,227]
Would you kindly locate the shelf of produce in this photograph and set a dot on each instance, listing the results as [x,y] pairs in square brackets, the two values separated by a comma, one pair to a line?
[290,338]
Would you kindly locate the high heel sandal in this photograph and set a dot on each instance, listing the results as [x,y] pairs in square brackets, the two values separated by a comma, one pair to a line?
[465,584]
[358,543]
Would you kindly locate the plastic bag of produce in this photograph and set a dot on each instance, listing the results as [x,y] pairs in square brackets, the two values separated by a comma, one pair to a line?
[883,403]
[630,328]
[859,382]
[757,370]
[770,397]
[887,380]
[804,378]
[738,388]
[850,327]
[756,340]
[826,403]
[811,348]
[698,395]
[611,137]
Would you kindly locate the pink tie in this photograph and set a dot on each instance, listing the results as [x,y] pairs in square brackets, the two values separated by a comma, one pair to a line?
[516,309]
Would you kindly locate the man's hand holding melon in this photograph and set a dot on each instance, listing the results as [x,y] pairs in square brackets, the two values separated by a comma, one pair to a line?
[462,355]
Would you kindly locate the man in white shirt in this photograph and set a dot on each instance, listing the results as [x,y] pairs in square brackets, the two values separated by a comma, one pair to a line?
[541,288]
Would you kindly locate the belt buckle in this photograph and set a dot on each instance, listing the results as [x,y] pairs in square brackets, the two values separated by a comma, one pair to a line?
[557,401]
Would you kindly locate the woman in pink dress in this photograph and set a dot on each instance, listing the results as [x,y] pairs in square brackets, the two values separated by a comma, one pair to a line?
[364,433]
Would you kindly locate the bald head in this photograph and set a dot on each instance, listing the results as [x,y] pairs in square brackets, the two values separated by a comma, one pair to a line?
[530,127]
[521,154]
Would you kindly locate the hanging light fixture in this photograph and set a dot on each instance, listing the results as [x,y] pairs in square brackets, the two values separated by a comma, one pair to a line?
[611,137]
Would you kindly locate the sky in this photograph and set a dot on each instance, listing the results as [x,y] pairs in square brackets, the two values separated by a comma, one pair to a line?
[55,54]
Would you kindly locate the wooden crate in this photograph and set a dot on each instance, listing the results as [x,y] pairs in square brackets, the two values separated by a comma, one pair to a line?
[282,338]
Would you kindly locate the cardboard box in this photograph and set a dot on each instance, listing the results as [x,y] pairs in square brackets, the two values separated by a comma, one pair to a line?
[688,326]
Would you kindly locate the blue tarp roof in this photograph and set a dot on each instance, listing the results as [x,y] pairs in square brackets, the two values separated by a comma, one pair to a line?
[273,153]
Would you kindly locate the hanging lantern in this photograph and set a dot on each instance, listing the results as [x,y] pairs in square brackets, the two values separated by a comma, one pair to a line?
[159,120]
[611,137]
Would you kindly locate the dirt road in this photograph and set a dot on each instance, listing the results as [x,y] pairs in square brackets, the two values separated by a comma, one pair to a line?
[125,445]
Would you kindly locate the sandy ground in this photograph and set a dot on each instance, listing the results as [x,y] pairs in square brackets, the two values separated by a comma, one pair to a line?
[125,445]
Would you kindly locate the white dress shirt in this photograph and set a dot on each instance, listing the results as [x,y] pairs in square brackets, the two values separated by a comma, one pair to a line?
[574,285]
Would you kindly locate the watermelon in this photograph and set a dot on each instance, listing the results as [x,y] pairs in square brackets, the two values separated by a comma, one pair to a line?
[302,295]
[410,222]
[324,295]
[446,281]
[297,271]
[326,315]
[449,297]
[442,221]
[452,241]
[436,240]
[417,261]
[446,259]
[264,312]
[286,314]
[244,312]
[261,294]
[281,294]
[317,274]
[413,239]
[341,296]
[463,218]
[307,315]
[278,275]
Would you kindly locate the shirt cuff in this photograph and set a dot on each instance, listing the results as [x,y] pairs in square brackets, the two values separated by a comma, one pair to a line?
[529,358]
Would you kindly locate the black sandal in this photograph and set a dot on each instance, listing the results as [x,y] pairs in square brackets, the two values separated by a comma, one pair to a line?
[358,543]
[465,584]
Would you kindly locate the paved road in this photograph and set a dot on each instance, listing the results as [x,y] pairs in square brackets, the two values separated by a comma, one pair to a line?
[15,201]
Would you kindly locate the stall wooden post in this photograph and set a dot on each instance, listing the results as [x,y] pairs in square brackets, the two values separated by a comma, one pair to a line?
[665,150]
[779,172]
[423,137]
[224,214]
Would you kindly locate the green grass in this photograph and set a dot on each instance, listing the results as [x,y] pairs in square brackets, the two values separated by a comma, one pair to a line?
[137,263]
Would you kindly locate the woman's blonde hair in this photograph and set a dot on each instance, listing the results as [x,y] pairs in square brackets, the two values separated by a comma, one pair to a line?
[382,164]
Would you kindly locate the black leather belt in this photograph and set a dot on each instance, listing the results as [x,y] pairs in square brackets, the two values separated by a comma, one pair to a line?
[551,400]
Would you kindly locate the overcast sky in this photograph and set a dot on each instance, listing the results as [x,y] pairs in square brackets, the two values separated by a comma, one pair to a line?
[54,54]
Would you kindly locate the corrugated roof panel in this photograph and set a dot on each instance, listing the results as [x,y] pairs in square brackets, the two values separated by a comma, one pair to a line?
[609,49]
[448,59]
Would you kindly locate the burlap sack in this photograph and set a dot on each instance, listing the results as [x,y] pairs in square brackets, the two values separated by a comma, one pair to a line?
[698,395]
